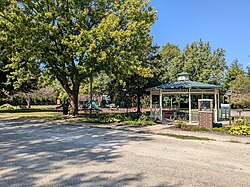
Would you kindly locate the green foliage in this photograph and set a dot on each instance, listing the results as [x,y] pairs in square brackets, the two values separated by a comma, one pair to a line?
[203,64]
[135,84]
[31,113]
[193,128]
[180,123]
[220,129]
[16,76]
[240,130]
[143,121]
[171,62]
[75,40]
[197,59]
[140,123]
[110,118]
[239,122]
[19,71]
[131,119]
[234,141]
[248,71]
[101,84]
[233,72]
[178,136]
[240,87]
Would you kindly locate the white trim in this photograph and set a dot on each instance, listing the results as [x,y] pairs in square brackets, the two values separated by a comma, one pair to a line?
[189,106]
[155,92]
[215,107]
[186,93]
[160,102]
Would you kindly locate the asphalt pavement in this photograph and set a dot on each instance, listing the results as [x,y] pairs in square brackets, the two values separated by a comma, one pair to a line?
[38,153]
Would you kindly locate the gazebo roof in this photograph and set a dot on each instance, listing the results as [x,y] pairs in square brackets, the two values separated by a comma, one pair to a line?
[185,84]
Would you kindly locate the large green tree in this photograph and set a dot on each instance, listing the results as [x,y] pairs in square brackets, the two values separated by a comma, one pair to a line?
[233,72]
[197,58]
[248,71]
[240,87]
[19,72]
[75,39]
[137,84]
[21,76]
[171,62]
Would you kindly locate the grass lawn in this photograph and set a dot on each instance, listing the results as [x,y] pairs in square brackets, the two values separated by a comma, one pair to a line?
[44,113]
[48,114]
[30,114]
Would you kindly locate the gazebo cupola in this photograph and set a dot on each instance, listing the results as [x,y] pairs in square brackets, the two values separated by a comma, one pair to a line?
[184,76]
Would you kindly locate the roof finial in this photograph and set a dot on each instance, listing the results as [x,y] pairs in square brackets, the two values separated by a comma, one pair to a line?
[184,76]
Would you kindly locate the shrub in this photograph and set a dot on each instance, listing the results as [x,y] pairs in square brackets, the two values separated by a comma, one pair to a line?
[180,123]
[193,128]
[110,118]
[143,120]
[240,130]
[240,122]
[219,129]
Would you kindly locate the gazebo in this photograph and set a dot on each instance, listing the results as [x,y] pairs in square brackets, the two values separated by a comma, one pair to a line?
[183,86]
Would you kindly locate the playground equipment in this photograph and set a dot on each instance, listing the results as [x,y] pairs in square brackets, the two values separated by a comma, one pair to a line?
[99,102]
[106,101]
[94,105]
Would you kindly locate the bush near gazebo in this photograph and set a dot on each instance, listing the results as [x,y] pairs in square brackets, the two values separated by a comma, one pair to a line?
[240,130]
[240,127]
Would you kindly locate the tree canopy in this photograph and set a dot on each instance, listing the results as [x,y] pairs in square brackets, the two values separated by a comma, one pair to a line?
[233,72]
[240,87]
[74,39]
[197,59]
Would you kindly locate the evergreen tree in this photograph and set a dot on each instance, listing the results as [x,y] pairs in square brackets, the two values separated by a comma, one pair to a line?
[233,71]
[197,59]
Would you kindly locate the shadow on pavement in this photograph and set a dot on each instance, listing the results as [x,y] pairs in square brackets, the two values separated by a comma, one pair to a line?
[41,155]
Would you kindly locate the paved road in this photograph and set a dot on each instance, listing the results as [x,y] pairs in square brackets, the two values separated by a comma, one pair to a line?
[35,154]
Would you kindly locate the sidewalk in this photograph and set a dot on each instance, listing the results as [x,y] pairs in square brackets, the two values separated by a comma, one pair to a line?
[166,129]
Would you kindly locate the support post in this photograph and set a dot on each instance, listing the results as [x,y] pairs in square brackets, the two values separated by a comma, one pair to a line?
[160,104]
[171,103]
[215,107]
[189,105]
[218,103]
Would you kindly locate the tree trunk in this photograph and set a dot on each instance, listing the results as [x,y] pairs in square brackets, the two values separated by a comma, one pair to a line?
[74,103]
[74,99]
[72,93]
[139,103]
[28,100]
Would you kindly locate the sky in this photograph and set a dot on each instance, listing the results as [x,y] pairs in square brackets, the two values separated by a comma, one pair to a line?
[223,23]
